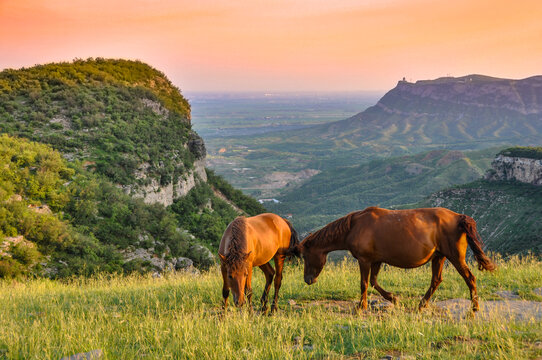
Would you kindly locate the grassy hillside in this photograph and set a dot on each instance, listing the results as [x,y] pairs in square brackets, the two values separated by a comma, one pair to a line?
[508,213]
[58,219]
[117,124]
[407,179]
[115,114]
[179,316]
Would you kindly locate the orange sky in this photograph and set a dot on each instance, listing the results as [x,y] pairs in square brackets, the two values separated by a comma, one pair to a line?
[272,45]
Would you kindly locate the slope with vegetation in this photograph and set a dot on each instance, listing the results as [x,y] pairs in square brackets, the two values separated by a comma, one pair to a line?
[117,115]
[57,219]
[508,213]
[507,204]
[123,132]
[399,180]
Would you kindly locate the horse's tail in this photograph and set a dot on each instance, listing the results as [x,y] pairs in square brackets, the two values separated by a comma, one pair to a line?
[293,250]
[468,225]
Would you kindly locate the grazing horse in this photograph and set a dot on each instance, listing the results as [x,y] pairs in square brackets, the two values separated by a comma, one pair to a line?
[254,241]
[402,238]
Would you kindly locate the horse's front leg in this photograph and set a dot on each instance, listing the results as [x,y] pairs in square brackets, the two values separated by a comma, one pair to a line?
[279,265]
[225,286]
[364,270]
[269,272]
[375,268]
[248,289]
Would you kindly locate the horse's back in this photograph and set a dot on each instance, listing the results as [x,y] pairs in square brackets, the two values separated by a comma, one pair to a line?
[404,238]
[269,234]
[269,227]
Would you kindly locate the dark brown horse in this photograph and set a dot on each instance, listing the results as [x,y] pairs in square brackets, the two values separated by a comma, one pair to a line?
[254,241]
[402,238]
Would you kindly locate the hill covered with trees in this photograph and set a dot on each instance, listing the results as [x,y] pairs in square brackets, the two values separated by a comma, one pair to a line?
[111,148]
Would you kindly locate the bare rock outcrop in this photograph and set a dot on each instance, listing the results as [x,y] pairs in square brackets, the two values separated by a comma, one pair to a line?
[157,193]
[507,168]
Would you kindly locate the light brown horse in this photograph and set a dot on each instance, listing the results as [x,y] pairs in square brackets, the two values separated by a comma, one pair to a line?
[254,241]
[402,238]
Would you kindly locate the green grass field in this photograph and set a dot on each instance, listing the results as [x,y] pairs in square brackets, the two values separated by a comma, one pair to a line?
[179,316]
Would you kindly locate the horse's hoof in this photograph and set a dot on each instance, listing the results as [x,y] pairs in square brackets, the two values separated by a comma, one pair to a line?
[361,308]
[422,305]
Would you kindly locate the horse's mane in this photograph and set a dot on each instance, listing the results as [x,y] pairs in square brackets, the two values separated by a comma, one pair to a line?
[236,251]
[330,233]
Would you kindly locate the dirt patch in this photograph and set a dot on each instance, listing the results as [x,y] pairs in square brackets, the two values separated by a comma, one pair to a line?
[281,179]
[347,307]
[508,295]
[456,309]
[520,310]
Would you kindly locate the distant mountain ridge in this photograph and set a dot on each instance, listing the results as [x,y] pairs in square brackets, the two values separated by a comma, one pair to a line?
[523,96]
[463,112]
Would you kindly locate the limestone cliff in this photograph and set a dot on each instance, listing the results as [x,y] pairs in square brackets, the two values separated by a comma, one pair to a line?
[507,167]
[154,192]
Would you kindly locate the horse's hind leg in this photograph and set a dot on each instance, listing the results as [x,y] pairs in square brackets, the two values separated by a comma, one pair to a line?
[269,272]
[279,265]
[436,265]
[225,286]
[375,268]
[464,271]
[364,270]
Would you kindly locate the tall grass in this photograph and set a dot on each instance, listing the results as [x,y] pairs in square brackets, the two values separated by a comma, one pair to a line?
[179,316]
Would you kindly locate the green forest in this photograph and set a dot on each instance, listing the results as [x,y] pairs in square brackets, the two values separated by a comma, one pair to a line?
[116,114]
[78,140]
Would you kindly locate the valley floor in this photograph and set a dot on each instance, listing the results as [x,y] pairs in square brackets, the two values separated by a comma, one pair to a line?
[179,316]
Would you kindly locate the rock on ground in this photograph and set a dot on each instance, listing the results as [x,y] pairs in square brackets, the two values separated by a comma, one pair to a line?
[91,355]
[521,310]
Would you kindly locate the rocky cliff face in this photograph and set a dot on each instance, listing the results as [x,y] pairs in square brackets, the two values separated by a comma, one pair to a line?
[506,168]
[165,194]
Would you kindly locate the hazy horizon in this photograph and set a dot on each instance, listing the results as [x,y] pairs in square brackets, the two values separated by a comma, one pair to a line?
[282,46]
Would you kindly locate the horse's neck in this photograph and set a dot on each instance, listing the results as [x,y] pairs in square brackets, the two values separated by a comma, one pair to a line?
[337,244]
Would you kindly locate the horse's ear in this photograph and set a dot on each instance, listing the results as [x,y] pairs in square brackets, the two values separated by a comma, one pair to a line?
[298,250]
[294,251]
[222,257]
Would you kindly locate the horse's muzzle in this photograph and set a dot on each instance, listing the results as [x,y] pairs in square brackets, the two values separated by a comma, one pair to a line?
[310,280]
[238,302]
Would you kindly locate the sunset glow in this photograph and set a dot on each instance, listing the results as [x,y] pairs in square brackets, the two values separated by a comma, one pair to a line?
[216,45]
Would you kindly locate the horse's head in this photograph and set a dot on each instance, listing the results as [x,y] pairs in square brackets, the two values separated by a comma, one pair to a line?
[236,276]
[314,260]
